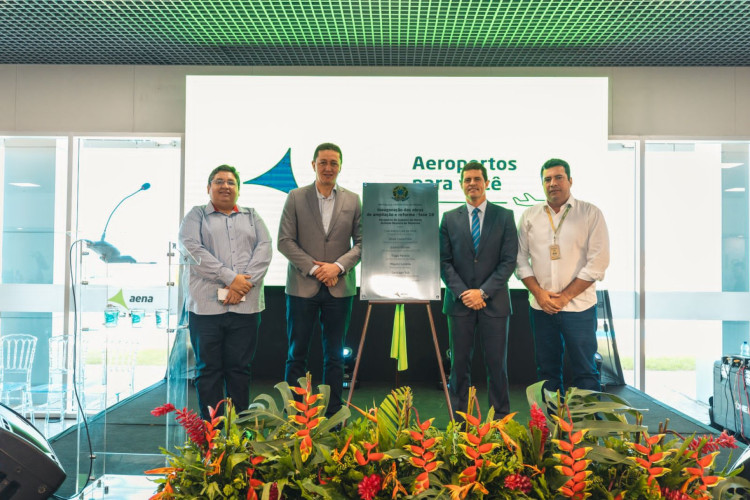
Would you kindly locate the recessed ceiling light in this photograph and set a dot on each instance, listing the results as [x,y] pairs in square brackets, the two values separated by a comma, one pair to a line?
[24,184]
[735,190]
[731,165]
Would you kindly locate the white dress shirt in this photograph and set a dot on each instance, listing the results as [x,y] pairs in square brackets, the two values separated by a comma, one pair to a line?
[482,206]
[584,250]
[326,204]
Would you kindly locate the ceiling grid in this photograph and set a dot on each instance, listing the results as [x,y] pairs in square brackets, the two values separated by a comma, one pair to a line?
[480,33]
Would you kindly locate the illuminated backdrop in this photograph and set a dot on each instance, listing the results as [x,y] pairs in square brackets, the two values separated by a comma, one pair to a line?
[393,129]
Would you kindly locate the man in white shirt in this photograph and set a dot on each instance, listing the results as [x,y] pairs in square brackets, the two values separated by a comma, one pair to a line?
[563,248]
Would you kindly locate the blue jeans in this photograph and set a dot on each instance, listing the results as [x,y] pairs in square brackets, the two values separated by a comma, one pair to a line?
[571,331]
[333,314]
[224,346]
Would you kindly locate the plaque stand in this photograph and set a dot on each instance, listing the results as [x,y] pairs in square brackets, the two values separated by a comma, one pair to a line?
[434,340]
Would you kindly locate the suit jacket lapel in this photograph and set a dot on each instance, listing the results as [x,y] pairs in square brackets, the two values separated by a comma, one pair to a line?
[337,205]
[463,223]
[488,224]
[312,201]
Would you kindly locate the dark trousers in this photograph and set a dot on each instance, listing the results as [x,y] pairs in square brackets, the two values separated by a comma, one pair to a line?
[334,314]
[493,336]
[574,332]
[224,346]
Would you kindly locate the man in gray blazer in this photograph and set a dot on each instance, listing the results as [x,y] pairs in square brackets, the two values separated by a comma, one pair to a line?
[478,246]
[320,233]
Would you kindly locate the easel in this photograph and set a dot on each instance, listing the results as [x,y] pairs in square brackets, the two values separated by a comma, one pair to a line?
[434,340]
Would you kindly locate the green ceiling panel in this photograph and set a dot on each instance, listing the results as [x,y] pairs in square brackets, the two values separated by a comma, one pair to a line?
[387,33]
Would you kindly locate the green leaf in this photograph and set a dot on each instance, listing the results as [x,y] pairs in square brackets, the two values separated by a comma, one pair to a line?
[287,396]
[307,487]
[326,392]
[212,491]
[605,427]
[731,488]
[265,415]
[393,416]
[270,402]
[534,394]
[236,458]
[396,453]
[607,455]
[338,418]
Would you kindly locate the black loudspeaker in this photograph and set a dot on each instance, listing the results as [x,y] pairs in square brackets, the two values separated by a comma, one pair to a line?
[729,405]
[29,469]
[743,461]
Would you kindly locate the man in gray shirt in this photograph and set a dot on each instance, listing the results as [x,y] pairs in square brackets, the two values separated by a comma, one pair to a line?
[233,248]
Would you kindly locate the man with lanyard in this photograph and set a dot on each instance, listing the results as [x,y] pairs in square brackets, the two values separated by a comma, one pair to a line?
[320,233]
[233,249]
[563,248]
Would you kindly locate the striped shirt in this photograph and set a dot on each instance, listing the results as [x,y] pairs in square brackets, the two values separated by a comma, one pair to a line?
[223,247]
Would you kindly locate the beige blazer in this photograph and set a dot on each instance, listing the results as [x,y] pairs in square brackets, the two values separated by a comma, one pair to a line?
[302,240]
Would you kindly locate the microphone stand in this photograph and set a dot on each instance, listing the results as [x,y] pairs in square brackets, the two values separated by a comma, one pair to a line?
[107,252]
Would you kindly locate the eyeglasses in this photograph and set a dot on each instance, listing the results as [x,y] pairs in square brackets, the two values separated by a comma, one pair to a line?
[221,182]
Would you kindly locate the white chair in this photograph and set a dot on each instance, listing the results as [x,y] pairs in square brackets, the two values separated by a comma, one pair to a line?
[57,392]
[17,353]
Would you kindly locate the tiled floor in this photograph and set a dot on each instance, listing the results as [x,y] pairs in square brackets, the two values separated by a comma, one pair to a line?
[113,487]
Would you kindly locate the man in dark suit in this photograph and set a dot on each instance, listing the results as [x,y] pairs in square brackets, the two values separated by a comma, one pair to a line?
[320,233]
[478,247]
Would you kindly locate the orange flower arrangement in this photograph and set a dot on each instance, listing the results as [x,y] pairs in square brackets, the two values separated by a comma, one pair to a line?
[293,453]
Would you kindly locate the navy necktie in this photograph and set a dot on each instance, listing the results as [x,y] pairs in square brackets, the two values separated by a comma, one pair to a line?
[475,228]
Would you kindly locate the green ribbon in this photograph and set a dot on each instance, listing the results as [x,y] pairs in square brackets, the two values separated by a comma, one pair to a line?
[398,341]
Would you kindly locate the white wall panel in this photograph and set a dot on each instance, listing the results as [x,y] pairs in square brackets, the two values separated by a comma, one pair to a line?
[742,96]
[74,99]
[692,102]
[7,97]
[674,101]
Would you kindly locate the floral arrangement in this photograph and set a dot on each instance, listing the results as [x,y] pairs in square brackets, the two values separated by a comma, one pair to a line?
[586,444]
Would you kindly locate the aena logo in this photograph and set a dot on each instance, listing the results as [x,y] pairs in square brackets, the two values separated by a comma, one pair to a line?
[119,298]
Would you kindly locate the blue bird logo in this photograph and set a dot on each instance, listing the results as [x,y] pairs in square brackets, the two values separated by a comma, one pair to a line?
[280,176]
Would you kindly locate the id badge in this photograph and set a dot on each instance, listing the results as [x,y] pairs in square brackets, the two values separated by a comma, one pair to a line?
[554,252]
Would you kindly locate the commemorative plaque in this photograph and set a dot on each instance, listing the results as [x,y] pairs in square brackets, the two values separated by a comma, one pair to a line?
[400,242]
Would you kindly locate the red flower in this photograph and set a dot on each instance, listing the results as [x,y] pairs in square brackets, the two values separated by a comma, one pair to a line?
[193,424]
[252,484]
[714,443]
[369,487]
[163,409]
[273,492]
[539,421]
[518,482]
[673,494]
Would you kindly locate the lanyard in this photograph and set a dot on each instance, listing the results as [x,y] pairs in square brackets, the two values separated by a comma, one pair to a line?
[551,223]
